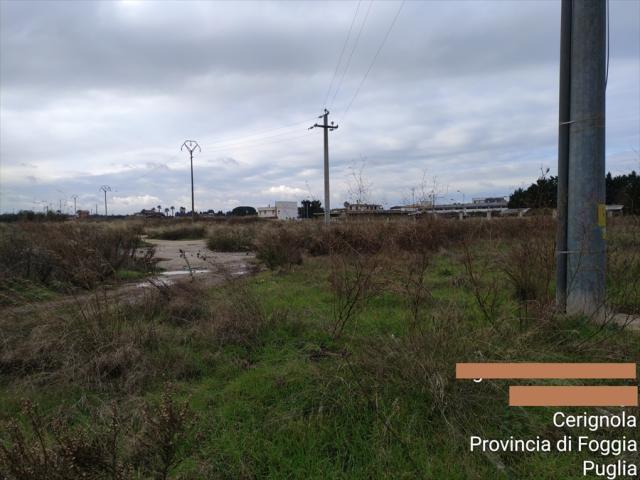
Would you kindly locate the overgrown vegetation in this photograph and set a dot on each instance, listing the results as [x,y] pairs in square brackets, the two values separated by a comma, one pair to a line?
[178,232]
[61,256]
[337,362]
[54,449]
[231,238]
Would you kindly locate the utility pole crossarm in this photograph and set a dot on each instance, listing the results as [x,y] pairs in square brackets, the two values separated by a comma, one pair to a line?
[330,127]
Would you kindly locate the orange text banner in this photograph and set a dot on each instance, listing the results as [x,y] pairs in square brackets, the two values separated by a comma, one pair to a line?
[545,370]
[573,396]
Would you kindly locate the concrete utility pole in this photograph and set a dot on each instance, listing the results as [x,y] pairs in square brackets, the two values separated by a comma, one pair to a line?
[191,145]
[105,189]
[581,161]
[75,199]
[327,128]
[563,153]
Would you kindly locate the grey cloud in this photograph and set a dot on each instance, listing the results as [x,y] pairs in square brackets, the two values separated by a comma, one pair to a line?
[106,92]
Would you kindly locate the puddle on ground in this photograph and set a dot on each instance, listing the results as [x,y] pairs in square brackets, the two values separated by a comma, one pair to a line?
[194,271]
[156,282]
[164,281]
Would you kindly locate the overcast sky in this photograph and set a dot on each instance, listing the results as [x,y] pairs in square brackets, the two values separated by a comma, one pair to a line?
[96,93]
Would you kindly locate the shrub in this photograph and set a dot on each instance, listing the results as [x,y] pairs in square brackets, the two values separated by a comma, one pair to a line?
[160,445]
[528,262]
[353,280]
[102,344]
[179,232]
[623,265]
[484,283]
[52,448]
[279,247]
[80,255]
[229,238]
[239,317]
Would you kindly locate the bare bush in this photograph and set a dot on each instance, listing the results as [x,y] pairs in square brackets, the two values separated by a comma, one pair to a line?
[239,317]
[623,266]
[159,447]
[52,448]
[484,283]
[80,255]
[279,247]
[101,343]
[424,361]
[353,281]
[178,232]
[415,288]
[528,262]
[231,238]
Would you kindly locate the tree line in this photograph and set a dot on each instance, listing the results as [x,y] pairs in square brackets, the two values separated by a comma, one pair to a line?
[620,190]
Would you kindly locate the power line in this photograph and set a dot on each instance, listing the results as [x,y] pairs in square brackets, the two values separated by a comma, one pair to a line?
[344,47]
[256,140]
[244,145]
[240,146]
[241,138]
[384,40]
[606,75]
[355,46]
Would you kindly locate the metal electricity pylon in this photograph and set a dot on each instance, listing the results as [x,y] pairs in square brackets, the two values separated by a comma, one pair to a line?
[191,146]
[75,199]
[105,189]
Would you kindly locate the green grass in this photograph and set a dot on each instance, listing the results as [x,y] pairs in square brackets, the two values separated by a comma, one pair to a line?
[129,275]
[300,404]
[21,291]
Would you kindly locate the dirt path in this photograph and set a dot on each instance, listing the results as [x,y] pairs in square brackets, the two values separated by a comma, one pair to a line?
[175,257]
[179,261]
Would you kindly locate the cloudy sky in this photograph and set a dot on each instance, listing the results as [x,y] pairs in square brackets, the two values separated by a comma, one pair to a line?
[465,93]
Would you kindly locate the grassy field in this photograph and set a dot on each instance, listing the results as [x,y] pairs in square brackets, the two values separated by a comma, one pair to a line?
[337,360]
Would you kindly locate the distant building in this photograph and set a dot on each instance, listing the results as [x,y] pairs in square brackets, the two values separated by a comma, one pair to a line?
[362,207]
[411,208]
[490,201]
[149,213]
[614,210]
[282,211]
[267,212]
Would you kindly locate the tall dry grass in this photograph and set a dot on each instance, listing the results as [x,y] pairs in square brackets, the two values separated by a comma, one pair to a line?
[69,254]
[147,442]
[116,345]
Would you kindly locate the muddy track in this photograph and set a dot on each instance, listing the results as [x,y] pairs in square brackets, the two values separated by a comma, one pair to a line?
[177,261]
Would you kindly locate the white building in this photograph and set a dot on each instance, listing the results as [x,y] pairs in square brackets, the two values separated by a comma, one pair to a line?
[267,212]
[282,211]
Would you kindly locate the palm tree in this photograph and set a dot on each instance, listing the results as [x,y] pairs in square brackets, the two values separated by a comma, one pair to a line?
[166,211]
[172,209]
[159,208]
